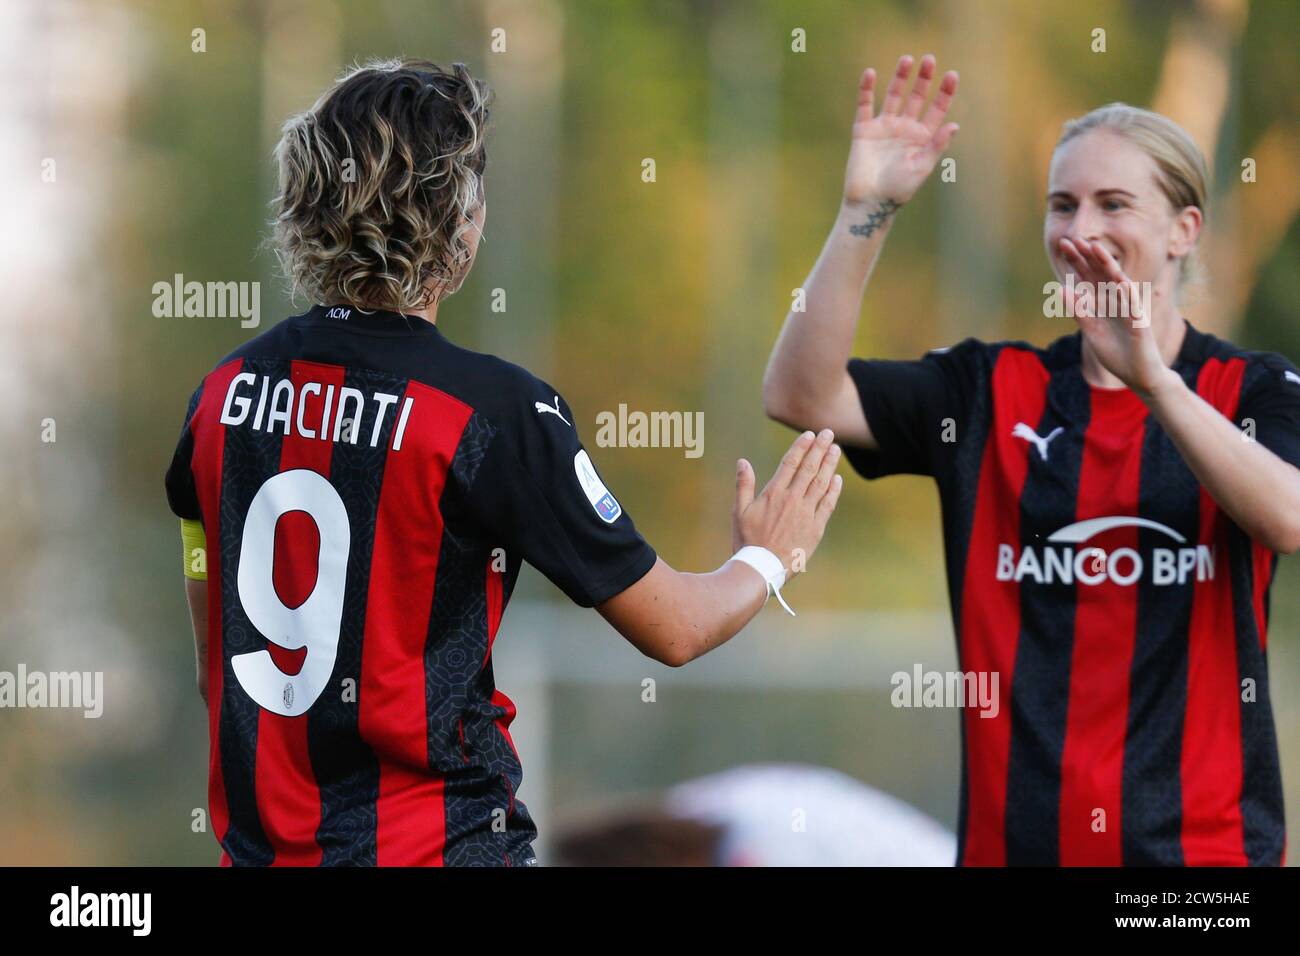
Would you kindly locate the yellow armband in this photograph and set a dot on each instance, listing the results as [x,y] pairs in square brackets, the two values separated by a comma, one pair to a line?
[195,543]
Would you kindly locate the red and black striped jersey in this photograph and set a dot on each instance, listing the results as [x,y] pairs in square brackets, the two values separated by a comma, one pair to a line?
[1123,611]
[369,490]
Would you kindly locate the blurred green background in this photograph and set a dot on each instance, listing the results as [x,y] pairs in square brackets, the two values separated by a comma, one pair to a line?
[664,296]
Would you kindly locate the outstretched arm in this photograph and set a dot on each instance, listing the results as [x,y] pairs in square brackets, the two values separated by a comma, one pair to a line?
[890,155]
[675,617]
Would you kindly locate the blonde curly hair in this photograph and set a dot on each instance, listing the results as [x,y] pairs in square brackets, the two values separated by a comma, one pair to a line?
[378,184]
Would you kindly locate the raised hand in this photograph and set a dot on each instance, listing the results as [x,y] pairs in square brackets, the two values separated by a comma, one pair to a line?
[892,152]
[1114,315]
[789,516]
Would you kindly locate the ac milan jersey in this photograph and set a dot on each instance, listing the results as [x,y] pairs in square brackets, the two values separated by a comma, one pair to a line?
[1123,610]
[369,491]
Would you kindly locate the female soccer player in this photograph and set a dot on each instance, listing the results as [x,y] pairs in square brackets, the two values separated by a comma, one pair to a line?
[1113,504]
[365,492]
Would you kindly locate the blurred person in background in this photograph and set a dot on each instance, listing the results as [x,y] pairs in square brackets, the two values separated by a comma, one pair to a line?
[365,492]
[761,815]
[1113,504]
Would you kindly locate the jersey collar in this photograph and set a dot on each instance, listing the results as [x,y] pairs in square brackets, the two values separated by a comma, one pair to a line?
[374,320]
[1067,351]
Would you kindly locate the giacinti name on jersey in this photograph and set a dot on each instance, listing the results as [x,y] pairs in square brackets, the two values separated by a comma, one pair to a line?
[281,406]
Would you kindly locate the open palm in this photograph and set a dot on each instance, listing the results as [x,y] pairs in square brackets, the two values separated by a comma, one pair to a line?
[892,152]
[1115,323]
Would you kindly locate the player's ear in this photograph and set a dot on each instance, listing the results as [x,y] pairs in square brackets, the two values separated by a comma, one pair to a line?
[477,219]
[1184,230]
[471,234]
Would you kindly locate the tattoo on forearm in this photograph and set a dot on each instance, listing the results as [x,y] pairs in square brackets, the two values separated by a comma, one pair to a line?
[877,219]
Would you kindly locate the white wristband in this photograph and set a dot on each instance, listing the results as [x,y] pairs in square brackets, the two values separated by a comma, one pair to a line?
[769,566]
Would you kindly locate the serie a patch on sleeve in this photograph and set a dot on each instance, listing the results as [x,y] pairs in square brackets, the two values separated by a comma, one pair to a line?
[607,507]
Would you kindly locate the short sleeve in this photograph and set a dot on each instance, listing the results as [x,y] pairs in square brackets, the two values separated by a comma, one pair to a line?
[911,407]
[1270,403]
[182,496]
[538,489]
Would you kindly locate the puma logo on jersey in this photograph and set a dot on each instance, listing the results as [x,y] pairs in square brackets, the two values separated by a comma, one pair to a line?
[543,407]
[1028,434]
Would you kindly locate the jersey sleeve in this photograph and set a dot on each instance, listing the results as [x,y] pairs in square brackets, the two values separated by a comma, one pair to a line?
[538,490]
[182,497]
[914,409]
[1270,404]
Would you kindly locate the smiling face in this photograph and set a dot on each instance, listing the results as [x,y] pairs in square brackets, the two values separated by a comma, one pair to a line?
[1103,187]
